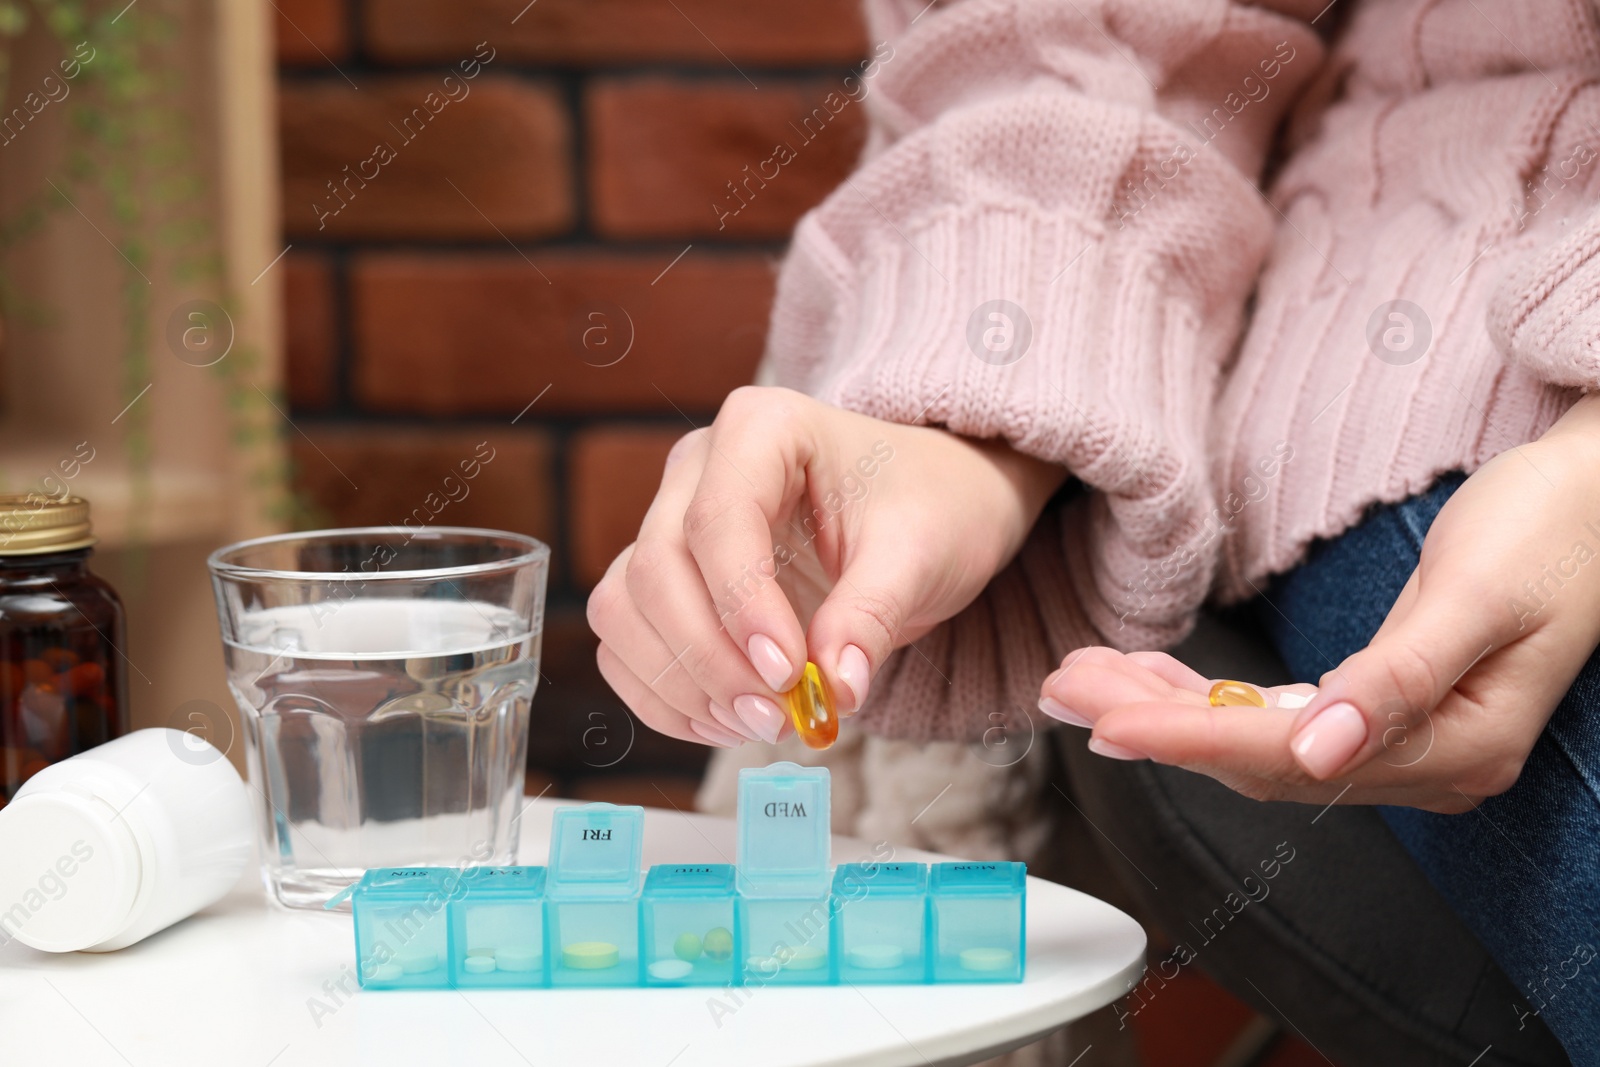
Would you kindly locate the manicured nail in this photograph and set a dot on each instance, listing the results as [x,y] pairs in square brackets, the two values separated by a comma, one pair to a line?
[852,670]
[1113,750]
[770,662]
[760,714]
[1292,701]
[1057,710]
[1330,740]
[731,722]
[715,734]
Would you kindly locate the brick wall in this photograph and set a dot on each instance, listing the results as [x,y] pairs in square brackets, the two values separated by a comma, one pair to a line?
[462,249]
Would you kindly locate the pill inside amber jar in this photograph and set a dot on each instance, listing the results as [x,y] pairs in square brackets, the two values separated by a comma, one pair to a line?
[811,709]
[1229,694]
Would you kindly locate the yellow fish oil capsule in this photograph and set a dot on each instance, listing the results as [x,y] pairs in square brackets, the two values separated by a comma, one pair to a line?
[1229,694]
[811,709]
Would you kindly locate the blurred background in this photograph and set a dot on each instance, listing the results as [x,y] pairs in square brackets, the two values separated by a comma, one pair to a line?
[288,263]
[541,267]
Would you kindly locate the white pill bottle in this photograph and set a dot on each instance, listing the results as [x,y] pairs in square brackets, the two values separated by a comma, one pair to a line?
[108,847]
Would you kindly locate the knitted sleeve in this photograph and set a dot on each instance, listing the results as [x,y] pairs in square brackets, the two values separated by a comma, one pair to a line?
[1050,241]
[1545,314]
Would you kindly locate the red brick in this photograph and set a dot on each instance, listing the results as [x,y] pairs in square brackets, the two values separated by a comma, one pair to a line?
[455,334]
[309,330]
[311,32]
[612,475]
[377,476]
[505,145]
[663,152]
[582,32]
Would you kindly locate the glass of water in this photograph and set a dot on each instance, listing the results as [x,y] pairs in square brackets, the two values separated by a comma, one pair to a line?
[384,677]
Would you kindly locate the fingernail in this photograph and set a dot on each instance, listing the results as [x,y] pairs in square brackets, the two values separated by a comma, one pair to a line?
[760,714]
[770,662]
[1057,710]
[715,734]
[1292,701]
[731,722]
[1330,739]
[852,670]
[1113,750]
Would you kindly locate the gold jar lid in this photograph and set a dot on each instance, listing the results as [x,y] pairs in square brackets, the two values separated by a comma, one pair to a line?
[32,524]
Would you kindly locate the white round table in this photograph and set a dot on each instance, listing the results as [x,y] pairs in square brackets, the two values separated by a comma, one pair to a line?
[247,983]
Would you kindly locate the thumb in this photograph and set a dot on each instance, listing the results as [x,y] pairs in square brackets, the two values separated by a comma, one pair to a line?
[1381,699]
[863,620]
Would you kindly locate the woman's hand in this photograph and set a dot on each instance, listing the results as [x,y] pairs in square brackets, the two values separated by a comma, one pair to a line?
[1443,707]
[790,530]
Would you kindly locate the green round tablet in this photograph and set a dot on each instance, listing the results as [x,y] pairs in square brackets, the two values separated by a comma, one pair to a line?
[987,959]
[718,943]
[590,955]
[686,948]
[478,964]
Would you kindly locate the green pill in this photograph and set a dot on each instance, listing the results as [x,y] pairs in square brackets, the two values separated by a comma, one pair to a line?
[718,943]
[686,948]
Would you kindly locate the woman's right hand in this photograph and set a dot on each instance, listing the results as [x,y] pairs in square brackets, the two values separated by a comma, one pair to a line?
[786,508]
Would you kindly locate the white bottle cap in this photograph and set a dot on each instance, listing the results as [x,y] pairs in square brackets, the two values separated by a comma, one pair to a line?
[71,875]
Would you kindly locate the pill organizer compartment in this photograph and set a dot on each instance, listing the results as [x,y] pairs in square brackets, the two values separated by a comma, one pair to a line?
[690,931]
[976,921]
[402,927]
[497,929]
[784,877]
[880,920]
[592,895]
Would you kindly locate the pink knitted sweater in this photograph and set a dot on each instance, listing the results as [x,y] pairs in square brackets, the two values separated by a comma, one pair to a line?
[1234,374]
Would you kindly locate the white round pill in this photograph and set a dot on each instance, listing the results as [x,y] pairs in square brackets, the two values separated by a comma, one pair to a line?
[671,970]
[419,962]
[987,959]
[478,964]
[388,972]
[876,957]
[517,959]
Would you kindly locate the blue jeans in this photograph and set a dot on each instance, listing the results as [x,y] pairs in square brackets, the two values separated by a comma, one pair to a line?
[1523,870]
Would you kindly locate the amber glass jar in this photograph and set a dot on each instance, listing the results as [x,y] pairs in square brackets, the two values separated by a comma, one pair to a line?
[63,686]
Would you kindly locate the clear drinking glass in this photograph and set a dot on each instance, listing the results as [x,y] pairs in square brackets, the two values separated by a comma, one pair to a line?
[384,677]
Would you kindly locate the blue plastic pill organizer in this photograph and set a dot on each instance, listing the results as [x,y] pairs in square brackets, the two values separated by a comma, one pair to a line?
[593,896]
[781,916]
[784,877]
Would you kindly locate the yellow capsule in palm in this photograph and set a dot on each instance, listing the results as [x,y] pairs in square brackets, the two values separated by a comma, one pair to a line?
[1230,694]
[811,709]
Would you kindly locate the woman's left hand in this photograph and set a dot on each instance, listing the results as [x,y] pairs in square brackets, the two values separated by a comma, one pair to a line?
[1441,709]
